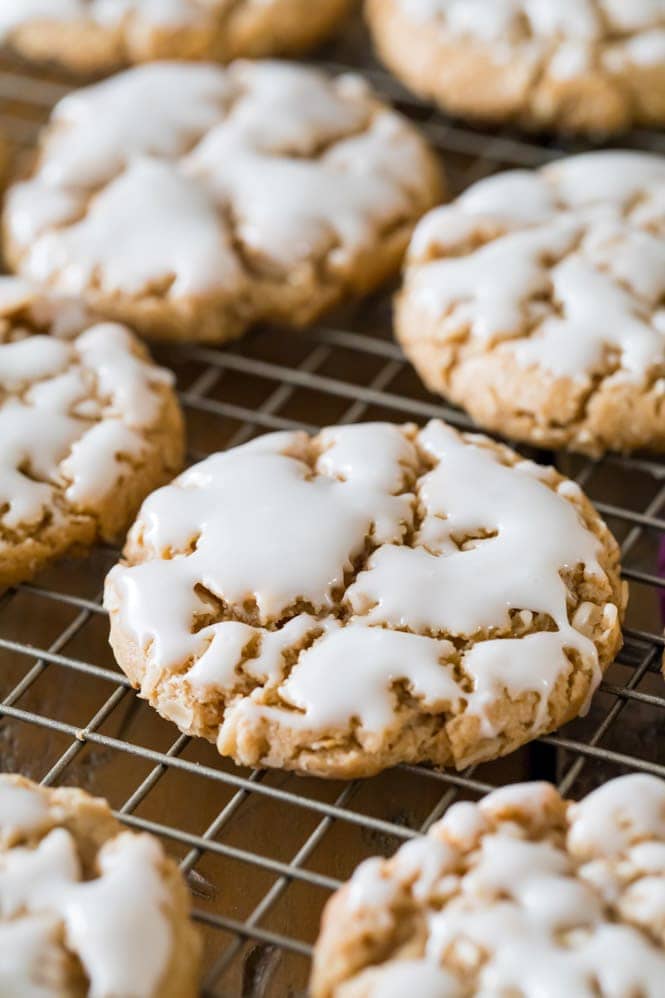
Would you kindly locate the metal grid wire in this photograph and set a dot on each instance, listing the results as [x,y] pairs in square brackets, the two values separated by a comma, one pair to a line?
[263,850]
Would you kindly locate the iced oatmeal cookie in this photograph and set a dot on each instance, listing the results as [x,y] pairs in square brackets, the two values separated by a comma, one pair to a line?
[87,908]
[89,425]
[522,894]
[377,593]
[93,36]
[592,66]
[265,191]
[536,301]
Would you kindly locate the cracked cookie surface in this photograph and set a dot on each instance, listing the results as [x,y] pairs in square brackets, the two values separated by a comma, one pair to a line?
[591,66]
[87,907]
[536,301]
[522,894]
[89,426]
[374,594]
[91,36]
[265,191]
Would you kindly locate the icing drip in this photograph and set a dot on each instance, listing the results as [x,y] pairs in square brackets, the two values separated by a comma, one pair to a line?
[617,815]
[71,412]
[422,978]
[31,963]
[21,811]
[562,269]
[115,922]
[564,32]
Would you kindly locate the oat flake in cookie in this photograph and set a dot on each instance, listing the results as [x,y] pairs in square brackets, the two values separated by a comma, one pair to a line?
[87,908]
[89,425]
[91,36]
[265,191]
[590,66]
[536,301]
[377,593]
[523,894]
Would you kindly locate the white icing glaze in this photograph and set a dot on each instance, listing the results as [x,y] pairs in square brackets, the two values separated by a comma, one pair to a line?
[121,376]
[115,922]
[31,963]
[636,15]
[576,234]
[156,110]
[535,662]
[522,917]
[72,412]
[256,524]
[491,288]
[176,240]
[560,40]
[121,912]
[421,589]
[597,177]
[463,823]
[22,363]
[21,810]
[13,14]
[423,863]
[533,803]
[644,50]
[275,156]
[616,959]
[417,977]
[14,294]
[328,687]
[369,889]
[618,814]
[108,13]
[568,18]
[570,59]
[551,20]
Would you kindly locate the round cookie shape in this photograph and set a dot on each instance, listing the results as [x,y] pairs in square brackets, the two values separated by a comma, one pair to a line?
[590,66]
[374,594]
[92,36]
[89,426]
[523,893]
[536,301]
[87,907]
[265,191]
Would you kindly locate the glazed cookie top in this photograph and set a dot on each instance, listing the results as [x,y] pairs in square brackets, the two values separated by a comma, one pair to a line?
[75,400]
[569,34]
[324,584]
[84,906]
[561,269]
[261,168]
[521,892]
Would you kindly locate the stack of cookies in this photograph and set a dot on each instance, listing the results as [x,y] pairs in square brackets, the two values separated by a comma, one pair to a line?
[340,602]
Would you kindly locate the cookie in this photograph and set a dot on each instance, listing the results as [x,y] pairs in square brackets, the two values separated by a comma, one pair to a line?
[87,908]
[92,36]
[266,191]
[375,594]
[88,424]
[591,66]
[537,302]
[522,894]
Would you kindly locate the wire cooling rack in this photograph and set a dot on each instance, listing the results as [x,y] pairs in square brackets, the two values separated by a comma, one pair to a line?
[263,850]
